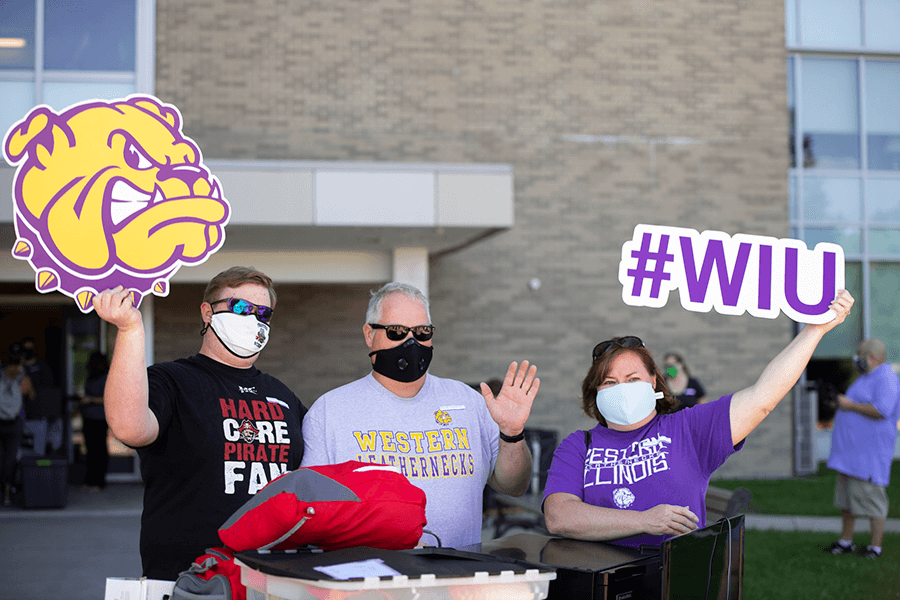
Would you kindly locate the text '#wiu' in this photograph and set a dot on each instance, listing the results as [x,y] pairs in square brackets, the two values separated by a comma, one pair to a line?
[744,273]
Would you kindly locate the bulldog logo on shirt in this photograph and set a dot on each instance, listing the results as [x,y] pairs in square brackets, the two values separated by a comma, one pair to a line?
[111,193]
[623,497]
[442,417]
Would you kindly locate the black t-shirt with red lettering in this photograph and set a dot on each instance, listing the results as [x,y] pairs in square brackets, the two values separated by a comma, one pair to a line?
[224,433]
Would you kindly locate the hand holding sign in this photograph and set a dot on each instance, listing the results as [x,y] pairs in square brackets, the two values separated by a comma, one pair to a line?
[116,306]
[745,273]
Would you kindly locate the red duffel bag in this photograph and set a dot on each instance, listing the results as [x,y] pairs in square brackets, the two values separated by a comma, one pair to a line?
[332,507]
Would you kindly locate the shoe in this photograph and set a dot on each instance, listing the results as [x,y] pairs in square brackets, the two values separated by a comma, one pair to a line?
[869,552]
[836,548]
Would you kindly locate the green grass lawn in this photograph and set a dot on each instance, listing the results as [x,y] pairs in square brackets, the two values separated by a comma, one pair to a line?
[812,495]
[791,566]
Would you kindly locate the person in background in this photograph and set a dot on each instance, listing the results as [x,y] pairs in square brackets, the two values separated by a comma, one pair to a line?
[15,387]
[47,405]
[93,423]
[37,370]
[641,475]
[687,390]
[211,430]
[862,447]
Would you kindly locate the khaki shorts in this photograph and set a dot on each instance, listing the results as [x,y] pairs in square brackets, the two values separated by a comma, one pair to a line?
[861,498]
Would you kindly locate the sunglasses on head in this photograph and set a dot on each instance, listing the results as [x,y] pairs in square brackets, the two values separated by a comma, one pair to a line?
[629,341]
[242,307]
[395,333]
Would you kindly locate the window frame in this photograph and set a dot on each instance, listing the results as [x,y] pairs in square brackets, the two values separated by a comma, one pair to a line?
[797,52]
[142,77]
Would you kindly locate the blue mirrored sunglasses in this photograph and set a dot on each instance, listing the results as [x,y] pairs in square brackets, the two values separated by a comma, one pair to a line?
[242,307]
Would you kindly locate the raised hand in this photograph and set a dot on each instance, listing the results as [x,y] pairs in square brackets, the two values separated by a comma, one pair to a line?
[511,407]
[116,306]
[841,306]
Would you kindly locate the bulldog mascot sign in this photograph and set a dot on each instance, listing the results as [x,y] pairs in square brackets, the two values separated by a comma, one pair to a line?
[111,193]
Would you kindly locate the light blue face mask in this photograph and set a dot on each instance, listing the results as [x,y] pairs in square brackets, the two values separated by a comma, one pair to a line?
[627,403]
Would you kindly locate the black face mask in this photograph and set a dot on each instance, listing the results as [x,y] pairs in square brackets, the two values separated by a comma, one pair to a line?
[404,363]
[861,364]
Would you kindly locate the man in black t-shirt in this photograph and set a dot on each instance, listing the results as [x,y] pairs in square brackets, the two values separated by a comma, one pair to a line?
[211,430]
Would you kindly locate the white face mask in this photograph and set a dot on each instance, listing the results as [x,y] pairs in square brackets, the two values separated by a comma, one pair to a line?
[242,335]
[627,403]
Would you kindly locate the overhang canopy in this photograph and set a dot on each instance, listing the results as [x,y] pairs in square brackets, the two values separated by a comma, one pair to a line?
[304,221]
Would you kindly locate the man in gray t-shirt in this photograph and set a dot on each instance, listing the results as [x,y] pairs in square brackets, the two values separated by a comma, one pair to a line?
[441,434]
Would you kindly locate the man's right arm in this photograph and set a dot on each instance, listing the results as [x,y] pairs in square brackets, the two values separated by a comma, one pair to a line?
[867,410]
[126,397]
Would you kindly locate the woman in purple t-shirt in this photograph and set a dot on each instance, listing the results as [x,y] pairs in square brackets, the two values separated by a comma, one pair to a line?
[640,476]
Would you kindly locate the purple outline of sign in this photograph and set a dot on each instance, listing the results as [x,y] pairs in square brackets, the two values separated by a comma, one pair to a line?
[760,275]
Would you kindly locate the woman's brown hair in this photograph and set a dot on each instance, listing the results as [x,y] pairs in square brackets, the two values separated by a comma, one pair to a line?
[600,369]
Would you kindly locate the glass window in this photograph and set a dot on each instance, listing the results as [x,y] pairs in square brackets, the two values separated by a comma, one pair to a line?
[842,341]
[832,199]
[830,121]
[847,238]
[62,94]
[883,114]
[883,199]
[884,241]
[17,34]
[883,24]
[885,320]
[89,36]
[830,23]
[16,99]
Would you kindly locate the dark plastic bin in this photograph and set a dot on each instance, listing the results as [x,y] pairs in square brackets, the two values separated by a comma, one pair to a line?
[45,482]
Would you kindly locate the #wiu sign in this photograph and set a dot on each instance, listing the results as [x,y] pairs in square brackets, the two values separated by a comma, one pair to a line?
[731,274]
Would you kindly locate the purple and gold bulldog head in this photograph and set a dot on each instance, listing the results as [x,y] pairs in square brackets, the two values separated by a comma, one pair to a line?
[111,193]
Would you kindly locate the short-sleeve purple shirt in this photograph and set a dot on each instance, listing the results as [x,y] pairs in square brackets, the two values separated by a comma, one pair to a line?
[668,461]
[862,447]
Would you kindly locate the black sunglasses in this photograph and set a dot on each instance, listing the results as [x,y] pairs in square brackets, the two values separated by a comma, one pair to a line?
[395,333]
[243,308]
[629,341]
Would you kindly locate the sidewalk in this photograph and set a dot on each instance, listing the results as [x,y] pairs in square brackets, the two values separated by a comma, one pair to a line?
[816,524]
[125,499]
[69,552]
[117,500]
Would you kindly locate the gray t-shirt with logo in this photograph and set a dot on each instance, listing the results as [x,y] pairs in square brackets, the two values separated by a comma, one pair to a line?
[443,440]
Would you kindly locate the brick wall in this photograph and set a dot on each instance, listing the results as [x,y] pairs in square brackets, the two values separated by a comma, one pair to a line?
[612,113]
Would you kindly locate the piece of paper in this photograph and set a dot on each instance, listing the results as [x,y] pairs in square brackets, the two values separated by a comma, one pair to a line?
[374,567]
